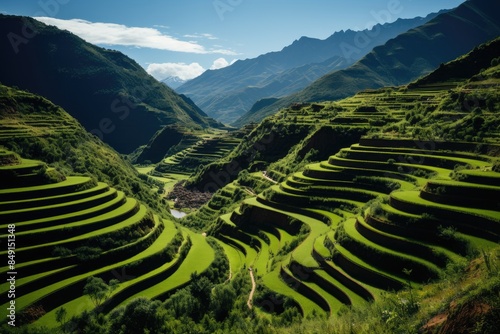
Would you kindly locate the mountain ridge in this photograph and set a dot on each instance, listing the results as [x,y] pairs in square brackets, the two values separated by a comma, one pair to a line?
[109,93]
[227,93]
[404,58]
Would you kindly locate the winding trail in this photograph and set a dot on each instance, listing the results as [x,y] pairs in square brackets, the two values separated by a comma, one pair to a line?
[264,174]
[250,297]
[230,275]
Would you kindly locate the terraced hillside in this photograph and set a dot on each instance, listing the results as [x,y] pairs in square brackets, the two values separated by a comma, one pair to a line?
[68,229]
[196,151]
[376,216]
[457,102]
[37,129]
[320,207]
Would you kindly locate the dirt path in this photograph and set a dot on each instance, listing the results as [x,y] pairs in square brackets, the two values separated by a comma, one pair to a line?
[250,297]
[230,275]
[264,174]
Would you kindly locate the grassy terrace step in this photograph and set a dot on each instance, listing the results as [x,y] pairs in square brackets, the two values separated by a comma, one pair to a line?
[32,253]
[280,196]
[418,144]
[59,292]
[480,177]
[299,180]
[425,149]
[274,282]
[354,290]
[71,184]
[364,272]
[52,200]
[33,236]
[198,259]
[309,291]
[386,167]
[435,159]
[167,230]
[235,256]
[13,216]
[249,252]
[351,193]
[433,254]
[471,220]
[416,231]
[336,162]
[334,293]
[57,284]
[324,170]
[25,167]
[107,258]
[105,209]
[328,292]
[261,263]
[462,194]
[353,298]
[385,258]
[303,253]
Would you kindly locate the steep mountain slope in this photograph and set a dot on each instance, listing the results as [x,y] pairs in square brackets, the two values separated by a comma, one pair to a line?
[436,106]
[36,128]
[404,58]
[109,93]
[227,93]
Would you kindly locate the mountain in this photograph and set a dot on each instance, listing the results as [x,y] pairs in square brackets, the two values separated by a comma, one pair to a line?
[227,93]
[109,93]
[404,58]
[33,126]
[173,82]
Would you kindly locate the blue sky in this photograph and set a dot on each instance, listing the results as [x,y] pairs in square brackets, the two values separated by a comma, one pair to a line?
[186,37]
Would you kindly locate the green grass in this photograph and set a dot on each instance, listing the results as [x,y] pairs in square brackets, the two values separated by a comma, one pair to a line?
[199,258]
[235,257]
[386,254]
[82,303]
[30,298]
[274,282]
[415,200]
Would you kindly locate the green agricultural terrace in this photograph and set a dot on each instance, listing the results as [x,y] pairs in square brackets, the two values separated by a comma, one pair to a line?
[68,229]
[198,150]
[378,216]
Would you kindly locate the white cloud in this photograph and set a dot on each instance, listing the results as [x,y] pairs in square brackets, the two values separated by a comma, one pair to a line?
[219,63]
[181,70]
[161,26]
[207,36]
[118,34]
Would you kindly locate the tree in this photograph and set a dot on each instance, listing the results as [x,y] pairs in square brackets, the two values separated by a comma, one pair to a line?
[61,314]
[141,315]
[222,300]
[98,290]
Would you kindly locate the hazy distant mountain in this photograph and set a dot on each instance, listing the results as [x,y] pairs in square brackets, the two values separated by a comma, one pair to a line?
[174,82]
[228,93]
[404,58]
[109,93]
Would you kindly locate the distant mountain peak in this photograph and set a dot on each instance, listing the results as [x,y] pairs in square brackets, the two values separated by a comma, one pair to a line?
[228,93]
[174,81]
[107,92]
[404,58]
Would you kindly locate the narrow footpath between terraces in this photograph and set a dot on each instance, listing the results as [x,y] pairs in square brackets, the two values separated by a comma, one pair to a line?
[250,297]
